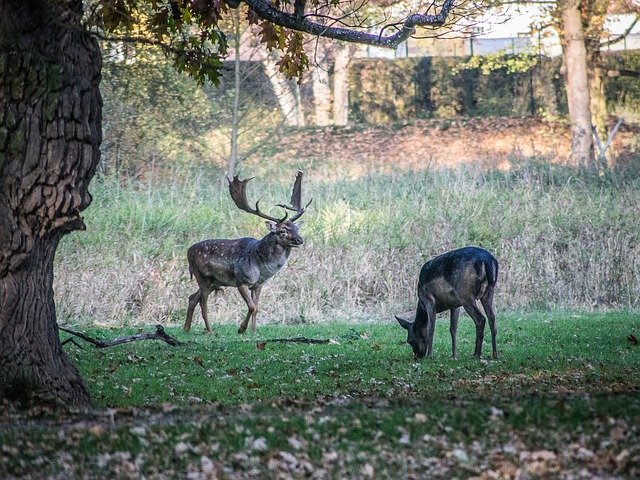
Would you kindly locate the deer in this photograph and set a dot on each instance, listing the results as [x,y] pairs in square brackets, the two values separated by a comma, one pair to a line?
[245,263]
[450,281]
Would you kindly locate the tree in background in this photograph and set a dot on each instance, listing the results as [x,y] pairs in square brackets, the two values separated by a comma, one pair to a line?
[580,24]
[51,132]
[577,81]
[151,112]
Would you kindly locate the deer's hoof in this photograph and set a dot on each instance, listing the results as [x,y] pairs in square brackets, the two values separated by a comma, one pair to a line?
[241,330]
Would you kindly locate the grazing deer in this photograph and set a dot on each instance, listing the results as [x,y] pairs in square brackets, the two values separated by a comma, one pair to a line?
[244,263]
[452,280]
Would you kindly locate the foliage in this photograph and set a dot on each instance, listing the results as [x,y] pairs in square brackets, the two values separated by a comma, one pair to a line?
[359,407]
[187,31]
[512,63]
[623,92]
[449,87]
[151,112]
[157,119]
[294,61]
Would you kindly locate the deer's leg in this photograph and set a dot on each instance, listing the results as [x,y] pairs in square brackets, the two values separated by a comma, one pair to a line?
[431,311]
[193,301]
[247,297]
[474,312]
[255,296]
[427,330]
[487,304]
[204,307]
[453,329]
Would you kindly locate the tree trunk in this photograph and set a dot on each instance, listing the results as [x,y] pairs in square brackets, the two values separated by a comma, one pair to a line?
[594,28]
[341,84]
[49,149]
[286,92]
[599,114]
[321,87]
[577,84]
[33,364]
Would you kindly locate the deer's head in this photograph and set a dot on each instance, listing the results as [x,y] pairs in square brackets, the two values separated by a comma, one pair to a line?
[286,233]
[284,229]
[415,337]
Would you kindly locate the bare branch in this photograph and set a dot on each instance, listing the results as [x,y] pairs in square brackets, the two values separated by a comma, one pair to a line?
[265,10]
[623,35]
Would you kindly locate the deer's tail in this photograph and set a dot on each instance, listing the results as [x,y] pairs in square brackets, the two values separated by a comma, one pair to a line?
[491,268]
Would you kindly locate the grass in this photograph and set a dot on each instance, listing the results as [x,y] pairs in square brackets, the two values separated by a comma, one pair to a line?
[372,359]
[561,400]
[563,240]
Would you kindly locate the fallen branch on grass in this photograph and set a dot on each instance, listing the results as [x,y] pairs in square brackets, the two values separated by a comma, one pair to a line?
[298,340]
[159,334]
[260,344]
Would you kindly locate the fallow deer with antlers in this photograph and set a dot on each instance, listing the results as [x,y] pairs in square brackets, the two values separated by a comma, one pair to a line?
[244,263]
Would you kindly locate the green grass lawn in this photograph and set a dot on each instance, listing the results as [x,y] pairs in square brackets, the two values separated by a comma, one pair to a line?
[562,399]
[538,353]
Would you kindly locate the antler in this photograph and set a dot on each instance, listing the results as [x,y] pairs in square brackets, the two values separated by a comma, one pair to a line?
[238,191]
[296,199]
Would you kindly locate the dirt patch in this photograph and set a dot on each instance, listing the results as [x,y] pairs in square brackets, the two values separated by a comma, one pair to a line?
[494,142]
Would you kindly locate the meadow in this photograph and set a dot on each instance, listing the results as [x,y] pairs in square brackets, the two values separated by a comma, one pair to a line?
[563,240]
[561,401]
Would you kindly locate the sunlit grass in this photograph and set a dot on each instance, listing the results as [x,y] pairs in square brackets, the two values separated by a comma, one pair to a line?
[563,240]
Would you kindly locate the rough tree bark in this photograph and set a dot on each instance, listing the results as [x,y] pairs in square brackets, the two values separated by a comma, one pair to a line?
[577,82]
[50,134]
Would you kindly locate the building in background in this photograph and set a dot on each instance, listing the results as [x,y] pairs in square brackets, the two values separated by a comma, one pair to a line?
[524,28]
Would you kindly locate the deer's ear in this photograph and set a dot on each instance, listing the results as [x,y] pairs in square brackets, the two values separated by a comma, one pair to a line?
[299,223]
[403,323]
[271,226]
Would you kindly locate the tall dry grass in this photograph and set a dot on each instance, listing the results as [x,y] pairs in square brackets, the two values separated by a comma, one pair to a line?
[563,240]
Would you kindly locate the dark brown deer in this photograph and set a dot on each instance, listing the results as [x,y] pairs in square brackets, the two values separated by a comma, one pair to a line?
[244,263]
[452,280]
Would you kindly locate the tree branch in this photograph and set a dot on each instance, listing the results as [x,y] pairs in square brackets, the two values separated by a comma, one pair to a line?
[622,35]
[159,334]
[265,10]
[165,47]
